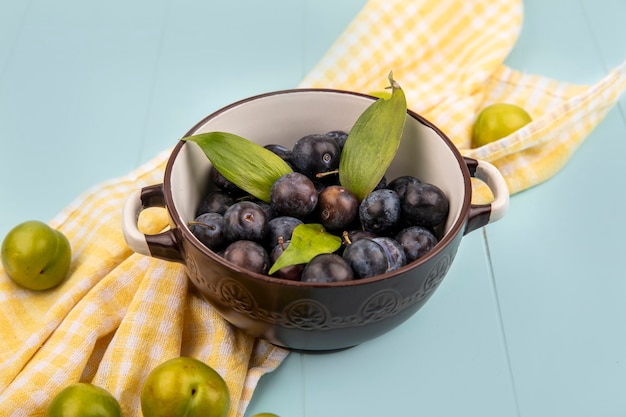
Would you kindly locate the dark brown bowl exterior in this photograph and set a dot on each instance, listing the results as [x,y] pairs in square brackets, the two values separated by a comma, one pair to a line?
[298,315]
[304,317]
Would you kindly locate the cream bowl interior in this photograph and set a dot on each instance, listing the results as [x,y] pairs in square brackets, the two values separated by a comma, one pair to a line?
[284,117]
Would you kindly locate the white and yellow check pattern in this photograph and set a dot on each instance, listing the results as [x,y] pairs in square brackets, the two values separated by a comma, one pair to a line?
[117,316]
[120,314]
[448,57]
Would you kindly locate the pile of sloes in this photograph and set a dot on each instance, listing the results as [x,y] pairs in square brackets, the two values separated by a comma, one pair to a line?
[394,225]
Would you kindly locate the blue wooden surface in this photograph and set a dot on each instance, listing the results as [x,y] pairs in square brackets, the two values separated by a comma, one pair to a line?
[530,319]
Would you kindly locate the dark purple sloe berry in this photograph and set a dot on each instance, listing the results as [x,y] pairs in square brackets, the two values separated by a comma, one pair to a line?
[281,227]
[248,255]
[215,202]
[209,228]
[280,150]
[327,267]
[399,184]
[293,194]
[395,252]
[416,242]
[366,257]
[424,204]
[340,137]
[379,212]
[316,154]
[245,220]
[337,207]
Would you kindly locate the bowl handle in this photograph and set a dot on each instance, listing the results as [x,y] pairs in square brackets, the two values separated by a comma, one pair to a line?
[163,245]
[483,214]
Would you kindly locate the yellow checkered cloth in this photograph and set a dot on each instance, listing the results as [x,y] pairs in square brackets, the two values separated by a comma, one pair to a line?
[117,316]
[120,314]
[448,57]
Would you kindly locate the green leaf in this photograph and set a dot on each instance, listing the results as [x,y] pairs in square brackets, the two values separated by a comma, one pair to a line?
[373,142]
[307,241]
[246,164]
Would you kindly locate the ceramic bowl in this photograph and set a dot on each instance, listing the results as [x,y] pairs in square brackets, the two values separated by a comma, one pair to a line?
[299,315]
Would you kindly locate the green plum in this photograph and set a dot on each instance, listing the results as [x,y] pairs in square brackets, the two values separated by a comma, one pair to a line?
[497,121]
[187,387]
[35,255]
[84,400]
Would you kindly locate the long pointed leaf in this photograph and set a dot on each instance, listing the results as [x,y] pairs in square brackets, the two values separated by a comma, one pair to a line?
[373,142]
[246,164]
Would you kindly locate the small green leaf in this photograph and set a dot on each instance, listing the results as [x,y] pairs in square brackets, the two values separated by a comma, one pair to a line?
[373,142]
[246,164]
[307,241]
